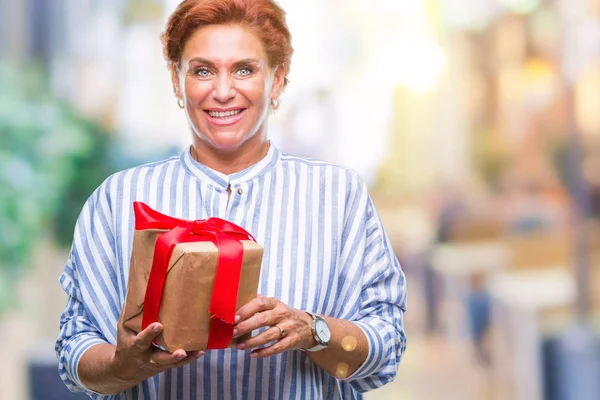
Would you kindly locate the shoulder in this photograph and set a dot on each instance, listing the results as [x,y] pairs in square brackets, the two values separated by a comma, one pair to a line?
[334,171]
[122,180]
[115,186]
[145,168]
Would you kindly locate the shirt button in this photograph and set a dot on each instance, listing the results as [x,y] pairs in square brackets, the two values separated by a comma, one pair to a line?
[240,191]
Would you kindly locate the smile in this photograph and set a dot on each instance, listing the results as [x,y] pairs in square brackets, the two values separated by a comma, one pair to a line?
[226,117]
[223,114]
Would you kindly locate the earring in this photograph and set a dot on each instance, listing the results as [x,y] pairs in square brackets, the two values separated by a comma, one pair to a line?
[180,103]
[275,104]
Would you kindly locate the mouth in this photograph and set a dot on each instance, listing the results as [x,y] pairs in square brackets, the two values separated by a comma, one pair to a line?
[224,117]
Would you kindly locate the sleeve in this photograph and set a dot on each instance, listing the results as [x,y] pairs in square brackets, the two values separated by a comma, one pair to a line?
[381,302]
[89,315]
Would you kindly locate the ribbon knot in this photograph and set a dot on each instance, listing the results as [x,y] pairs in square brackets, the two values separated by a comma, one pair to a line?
[198,227]
[226,237]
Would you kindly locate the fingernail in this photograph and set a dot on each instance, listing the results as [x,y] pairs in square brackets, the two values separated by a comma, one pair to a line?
[237,319]
[235,332]
[253,355]
[240,346]
[156,328]
[180,357]
[200,354]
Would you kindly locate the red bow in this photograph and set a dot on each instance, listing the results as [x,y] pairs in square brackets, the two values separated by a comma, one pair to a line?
[226,236]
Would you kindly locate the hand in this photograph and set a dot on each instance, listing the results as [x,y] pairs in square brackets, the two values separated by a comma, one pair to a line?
[272,313]
[137,358]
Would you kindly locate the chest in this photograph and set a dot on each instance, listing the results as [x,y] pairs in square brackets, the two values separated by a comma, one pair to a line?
[300,229]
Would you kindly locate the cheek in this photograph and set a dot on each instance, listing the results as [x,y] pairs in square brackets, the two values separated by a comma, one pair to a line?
[197,90]
[253,90]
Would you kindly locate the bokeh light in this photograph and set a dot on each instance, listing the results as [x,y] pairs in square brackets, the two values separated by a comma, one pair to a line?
[341,371]
[349,343]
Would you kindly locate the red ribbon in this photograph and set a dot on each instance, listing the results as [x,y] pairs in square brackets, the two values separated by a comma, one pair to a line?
[226,236]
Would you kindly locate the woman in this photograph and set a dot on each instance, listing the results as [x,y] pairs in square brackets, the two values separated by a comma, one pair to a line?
[329,320]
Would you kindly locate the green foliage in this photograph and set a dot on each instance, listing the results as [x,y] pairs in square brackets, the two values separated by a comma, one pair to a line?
[51,160]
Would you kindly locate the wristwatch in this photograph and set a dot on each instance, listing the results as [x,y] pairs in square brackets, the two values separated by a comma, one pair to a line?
[320,331]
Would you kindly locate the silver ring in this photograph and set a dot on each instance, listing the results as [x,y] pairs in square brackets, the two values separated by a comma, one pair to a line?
[281,330]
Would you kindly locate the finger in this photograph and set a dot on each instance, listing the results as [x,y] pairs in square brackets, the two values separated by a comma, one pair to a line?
[287,343]
[254,306]
[190,358]
[266,318]
[143,340]
[165,359]
[271,334]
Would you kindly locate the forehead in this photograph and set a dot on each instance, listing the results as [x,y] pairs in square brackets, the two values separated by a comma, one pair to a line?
[223,44]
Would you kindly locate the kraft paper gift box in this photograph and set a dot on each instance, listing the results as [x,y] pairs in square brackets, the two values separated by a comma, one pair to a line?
[186,309]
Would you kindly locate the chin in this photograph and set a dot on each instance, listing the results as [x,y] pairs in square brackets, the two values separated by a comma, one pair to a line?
[227,143]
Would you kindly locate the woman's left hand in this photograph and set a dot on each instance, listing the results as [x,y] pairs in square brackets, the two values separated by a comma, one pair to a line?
[290,328]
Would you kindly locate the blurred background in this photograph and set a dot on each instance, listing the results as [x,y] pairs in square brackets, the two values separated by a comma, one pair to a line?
[476,124]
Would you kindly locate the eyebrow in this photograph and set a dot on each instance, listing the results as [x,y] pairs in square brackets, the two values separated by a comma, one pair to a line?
[236,64]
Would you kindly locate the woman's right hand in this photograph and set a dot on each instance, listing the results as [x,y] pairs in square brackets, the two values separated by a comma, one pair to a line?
[137,359]
[107,369]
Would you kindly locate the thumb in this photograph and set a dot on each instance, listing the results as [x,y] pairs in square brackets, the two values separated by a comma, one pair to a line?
[143,340]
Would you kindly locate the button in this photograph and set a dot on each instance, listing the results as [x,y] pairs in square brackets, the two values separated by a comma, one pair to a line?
[240,191]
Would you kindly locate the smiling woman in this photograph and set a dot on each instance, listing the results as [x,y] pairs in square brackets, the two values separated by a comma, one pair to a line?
[227,86]
[328,320]
[229,63]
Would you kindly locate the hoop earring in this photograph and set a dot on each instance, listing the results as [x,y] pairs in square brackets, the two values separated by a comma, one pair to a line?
[180,103]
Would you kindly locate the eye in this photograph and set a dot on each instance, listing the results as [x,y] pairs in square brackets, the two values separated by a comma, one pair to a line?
[202,72]
[244,71]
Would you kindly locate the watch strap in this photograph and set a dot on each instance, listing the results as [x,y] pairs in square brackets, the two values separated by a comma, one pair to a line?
[315,348]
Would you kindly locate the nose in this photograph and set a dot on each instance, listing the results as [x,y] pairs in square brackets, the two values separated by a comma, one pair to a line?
[223,90]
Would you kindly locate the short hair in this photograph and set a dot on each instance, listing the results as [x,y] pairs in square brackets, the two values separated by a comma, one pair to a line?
[265,18]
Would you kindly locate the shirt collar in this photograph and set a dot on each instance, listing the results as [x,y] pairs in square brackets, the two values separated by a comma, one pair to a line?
[223,181]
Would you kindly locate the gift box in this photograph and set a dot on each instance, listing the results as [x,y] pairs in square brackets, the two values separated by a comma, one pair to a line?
[191,276]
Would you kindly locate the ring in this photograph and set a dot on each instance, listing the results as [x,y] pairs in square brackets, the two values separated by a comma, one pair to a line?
[281,330]
[154,363]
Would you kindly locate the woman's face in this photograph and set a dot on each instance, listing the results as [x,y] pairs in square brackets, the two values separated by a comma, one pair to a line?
[227,86]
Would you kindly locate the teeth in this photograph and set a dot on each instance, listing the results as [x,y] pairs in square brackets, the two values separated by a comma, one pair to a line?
[223,114]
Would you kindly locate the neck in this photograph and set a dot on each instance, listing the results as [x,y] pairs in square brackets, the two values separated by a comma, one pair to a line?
[230,162]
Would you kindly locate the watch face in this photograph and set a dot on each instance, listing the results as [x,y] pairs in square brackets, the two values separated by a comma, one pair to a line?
[322,330]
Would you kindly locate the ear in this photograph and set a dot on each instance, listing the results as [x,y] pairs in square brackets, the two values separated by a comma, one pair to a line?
[278,82]
[175,80]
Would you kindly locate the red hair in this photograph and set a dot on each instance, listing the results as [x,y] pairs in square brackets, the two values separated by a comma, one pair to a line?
[265,18]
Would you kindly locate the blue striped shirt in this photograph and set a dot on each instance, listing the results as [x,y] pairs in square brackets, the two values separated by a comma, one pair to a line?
[326,251]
